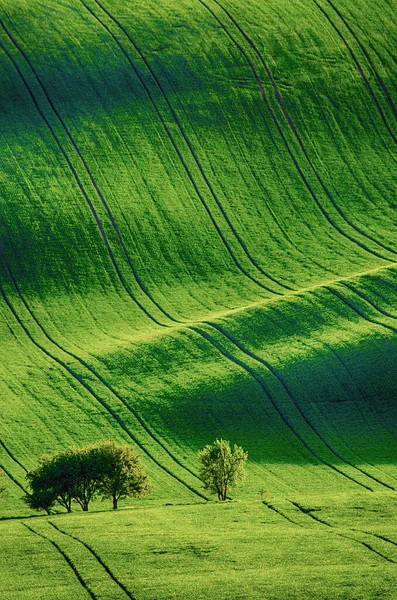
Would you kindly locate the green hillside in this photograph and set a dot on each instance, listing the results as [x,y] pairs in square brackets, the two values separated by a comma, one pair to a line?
[198,239]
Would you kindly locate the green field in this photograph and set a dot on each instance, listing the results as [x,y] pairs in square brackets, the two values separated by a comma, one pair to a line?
[198,239]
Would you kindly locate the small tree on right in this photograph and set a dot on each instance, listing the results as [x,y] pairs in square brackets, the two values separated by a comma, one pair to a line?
[222,468]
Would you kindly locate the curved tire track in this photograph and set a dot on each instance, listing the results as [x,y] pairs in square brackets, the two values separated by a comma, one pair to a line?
[67,559]
[98,559]
[104,237]
[380,81]
[106,206]
[286,388]
[80,380]
[12,478]
[73,170]
[190,148]
[348,537]
[274,509]
[297,136]
[93,371]
[11,455]
[268,394]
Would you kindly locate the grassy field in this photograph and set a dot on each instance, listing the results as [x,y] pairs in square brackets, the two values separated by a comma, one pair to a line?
[300,548]
[198,240]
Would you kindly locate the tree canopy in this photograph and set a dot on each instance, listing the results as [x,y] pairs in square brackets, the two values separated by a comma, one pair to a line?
[124,473]
[222,468]
[79,475]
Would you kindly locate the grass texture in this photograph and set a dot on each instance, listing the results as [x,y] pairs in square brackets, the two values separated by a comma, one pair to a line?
[198,240]
[298,548]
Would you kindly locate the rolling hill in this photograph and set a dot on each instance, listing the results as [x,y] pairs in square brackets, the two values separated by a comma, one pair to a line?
[198,239]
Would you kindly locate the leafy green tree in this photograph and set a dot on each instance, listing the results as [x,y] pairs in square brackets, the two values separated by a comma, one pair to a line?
[53,481]
[90,469]
[222,468]
[125,475]
[79,475]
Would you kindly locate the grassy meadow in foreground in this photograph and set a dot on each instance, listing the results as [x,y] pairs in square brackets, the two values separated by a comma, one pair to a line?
[198,239]
[342,546]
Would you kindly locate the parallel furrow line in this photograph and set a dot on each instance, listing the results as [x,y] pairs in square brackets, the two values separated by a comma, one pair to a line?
[112,218]
[274,509]
[290,395]
[363,315]
[70,165]
[11,455]
[190,148]
[67,559]
[102,402]
[98,558]
[380,81]
[11,476]
[104,237]
[343,535]
[286,421]
[298,138]
[91,370]
[342,362]
[381,537]
[382,311]
[358,311]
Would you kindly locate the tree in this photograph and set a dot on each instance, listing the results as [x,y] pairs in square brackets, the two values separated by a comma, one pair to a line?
[90,469]
[81,474]
[222,468]
[53,481]
[125,475]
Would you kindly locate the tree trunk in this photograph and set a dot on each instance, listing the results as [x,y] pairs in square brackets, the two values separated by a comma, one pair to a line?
[114,503]
[85,506]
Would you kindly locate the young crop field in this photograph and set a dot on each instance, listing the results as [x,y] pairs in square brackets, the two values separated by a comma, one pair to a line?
[198,240]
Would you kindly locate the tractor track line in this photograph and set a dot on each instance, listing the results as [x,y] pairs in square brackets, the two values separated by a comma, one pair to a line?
[102,402]
[381,83]
[10,454]
[71,139]
[92,371]
[67,559]
[286,388]
[286,421]
[358,311]
[150,316]
[347,370]
[10,476]
[348,537]
[88,171]
[368,300]
[358,65]
[112,219]
[309,513]
[333,351]
[297,136]
[70,165]
[381,537]
[31,94]
[363,315]
[271,507]
[190,148]
[98,558]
